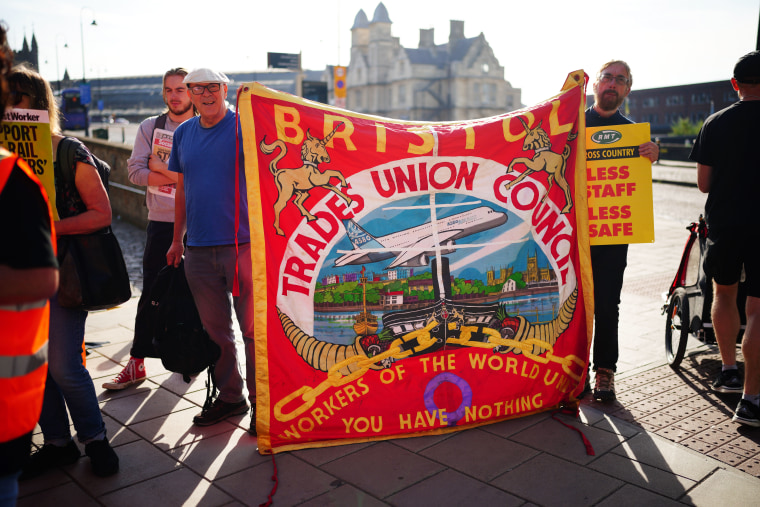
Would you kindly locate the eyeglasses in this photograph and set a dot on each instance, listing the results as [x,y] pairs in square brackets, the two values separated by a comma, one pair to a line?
[18,96]
[211,87]
[608,78]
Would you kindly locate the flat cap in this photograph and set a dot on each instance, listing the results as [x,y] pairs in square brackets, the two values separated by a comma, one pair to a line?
[205,76]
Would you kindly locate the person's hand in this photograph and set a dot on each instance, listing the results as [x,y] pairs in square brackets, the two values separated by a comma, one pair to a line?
[650,150]
[155,164]
[174,255]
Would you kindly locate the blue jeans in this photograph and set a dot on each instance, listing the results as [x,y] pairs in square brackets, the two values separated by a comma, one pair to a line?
[210,272]
[68,382]
[9,489]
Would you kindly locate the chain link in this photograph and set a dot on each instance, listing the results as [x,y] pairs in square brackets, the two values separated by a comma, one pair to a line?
[425,340]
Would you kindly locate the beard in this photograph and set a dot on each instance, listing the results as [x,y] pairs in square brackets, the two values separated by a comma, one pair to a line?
[609,100]
[182,109]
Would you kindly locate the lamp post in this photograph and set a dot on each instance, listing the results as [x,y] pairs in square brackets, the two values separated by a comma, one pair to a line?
[81,34]
[57,67]
[84,79]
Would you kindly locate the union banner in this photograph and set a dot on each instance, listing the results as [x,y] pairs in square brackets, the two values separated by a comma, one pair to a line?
[414,278]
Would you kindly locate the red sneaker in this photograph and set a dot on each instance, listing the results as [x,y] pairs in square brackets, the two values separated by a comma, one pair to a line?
[133,373]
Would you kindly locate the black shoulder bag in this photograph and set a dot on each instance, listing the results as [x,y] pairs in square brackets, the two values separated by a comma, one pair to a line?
[93,274]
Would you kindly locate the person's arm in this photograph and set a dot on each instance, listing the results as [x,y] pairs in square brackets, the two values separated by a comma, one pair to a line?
[177,248]
[159,172]
[144,168]
[704,177]
[650,150]
[20,286]
[28,268]
[138,171]
[94,197]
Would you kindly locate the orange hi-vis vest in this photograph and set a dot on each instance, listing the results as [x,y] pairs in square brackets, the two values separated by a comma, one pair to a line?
[23,344]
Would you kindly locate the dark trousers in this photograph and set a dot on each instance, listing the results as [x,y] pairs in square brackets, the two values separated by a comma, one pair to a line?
[608,264]
[154,258]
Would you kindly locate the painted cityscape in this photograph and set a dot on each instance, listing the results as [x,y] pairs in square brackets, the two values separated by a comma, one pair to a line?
[366,286]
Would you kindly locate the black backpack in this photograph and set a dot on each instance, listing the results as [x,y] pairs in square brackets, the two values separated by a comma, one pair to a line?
[179,338]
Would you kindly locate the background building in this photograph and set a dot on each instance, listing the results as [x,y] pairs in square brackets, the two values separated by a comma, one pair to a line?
[458,80]
[662,107]
[29,54]
[138,97]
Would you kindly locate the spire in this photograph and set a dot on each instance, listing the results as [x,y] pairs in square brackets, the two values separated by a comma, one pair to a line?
[381,14]
[360,21]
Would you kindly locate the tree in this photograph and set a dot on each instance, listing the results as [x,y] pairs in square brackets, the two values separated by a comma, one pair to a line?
[517,277]
[684,127]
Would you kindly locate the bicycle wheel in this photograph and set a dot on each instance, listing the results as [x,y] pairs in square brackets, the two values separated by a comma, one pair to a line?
[677,328]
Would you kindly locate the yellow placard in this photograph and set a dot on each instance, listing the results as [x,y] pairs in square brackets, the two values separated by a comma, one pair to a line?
[619,183]
[26,132]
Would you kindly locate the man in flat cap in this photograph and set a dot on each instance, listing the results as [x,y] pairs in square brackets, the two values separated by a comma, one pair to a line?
[211,205]
[728,169]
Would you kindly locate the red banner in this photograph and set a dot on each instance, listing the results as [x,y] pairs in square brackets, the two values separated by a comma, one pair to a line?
[414,278]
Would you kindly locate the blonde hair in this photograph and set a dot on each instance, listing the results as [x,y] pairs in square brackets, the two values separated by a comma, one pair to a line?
[25,79]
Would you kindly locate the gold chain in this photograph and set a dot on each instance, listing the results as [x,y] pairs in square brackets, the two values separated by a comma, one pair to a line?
[425,340]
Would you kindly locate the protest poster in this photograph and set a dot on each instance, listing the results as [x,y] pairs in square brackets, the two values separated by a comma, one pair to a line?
[26,132]
[162,148]
[414,278]
[620,206]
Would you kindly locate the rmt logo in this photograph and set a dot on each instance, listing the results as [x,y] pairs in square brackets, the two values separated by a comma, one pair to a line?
[606,136]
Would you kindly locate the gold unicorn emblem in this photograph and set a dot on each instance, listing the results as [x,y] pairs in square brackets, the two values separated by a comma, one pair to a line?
[301,180]
[553,164]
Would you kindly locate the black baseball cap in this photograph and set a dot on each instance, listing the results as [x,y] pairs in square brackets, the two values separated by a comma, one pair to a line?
[747,69]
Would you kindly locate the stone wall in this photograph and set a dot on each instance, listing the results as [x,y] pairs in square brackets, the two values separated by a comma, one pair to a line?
[127,200]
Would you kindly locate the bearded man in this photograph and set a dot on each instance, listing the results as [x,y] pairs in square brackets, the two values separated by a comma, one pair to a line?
[150,169]
[611,87]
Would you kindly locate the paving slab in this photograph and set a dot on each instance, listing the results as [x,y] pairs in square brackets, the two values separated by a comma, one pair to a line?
[633,496]
[451,488]
[179,487]
[640,474]
[548,480]
[297,482]
[220,455]
[725,487]
[479,454]
[383,469]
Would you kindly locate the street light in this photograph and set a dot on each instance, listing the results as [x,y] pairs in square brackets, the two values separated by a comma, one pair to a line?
[57,67]
[84,79]
[81,34]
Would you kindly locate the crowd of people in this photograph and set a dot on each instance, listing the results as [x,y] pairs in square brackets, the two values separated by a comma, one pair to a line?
[45,380]
[192,216]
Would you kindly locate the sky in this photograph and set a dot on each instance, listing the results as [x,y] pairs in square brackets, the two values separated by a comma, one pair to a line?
[538,43]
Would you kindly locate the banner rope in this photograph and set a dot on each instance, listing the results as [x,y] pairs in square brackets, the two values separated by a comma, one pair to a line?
[586,441]
[236,280]
[274,488]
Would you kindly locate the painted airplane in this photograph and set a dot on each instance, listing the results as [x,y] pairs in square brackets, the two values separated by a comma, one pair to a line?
[413,247]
